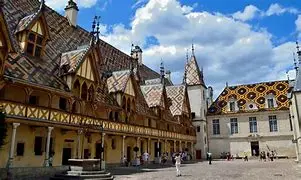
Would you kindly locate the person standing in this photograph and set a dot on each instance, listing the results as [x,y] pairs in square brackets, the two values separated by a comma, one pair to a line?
[178,164]
[145,157]
[209,154]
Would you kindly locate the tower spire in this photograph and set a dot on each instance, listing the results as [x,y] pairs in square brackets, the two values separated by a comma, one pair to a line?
[162,72]
[192,49]
[298,52]
[185,69]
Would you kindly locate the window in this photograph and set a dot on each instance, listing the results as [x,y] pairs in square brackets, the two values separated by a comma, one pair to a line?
[205,129]
[216,129]
[198,129]
[113,144]
[20,149]
[270,103]
[192,115]
[205,140]
[253,124]
[33,100]
[273,124]
[203,94]
[63,104]
[38,143]
[232,106]
[34,44]
[291,125]
[234,125]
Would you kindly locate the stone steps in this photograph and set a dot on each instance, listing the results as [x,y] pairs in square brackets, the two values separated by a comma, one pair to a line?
[84,175]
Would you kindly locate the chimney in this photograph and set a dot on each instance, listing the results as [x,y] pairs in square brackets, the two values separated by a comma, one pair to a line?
[168,75]
[71,12]
[137,54]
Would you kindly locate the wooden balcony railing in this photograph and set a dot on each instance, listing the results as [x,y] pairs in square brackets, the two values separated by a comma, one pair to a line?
[23,111]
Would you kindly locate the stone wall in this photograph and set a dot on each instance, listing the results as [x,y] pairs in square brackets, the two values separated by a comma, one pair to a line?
[29,173]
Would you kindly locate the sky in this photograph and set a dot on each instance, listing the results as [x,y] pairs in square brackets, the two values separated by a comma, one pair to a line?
[236,41]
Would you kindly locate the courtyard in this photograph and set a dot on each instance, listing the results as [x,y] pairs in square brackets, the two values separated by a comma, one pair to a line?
[237,169]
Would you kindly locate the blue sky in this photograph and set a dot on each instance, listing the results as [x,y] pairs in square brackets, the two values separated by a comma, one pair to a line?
[236,41]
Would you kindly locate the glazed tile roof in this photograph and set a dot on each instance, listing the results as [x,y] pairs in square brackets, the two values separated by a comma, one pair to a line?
[73,59]
[41,71]
[193,74]
[26,21]
[177,95]
[118,81]
[153,94]
[252,97]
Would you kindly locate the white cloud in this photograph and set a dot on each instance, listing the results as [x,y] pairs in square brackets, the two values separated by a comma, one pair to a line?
[61,4]
[249,13]
[229,50]
[276,9]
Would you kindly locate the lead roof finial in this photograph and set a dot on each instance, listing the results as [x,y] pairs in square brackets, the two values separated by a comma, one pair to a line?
[298,52]
[192,49]
[42,5]
[162,71]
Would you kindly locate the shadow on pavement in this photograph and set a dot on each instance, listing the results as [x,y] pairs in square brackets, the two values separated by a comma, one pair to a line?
[121,170]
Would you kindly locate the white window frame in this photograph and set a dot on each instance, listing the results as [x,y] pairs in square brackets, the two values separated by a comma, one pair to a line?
[273,123]
[216,127]
[233,126]
[253,125]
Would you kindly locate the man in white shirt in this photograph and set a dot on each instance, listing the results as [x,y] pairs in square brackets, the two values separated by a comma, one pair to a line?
[178,164]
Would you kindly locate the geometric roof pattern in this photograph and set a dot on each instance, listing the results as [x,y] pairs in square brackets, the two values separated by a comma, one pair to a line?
[177,96]
[153,94]
[193,74]
[250,95]
[73,59]
[118,81]
[26,22]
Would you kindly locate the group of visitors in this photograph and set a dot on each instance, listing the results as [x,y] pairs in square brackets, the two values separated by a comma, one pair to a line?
[263,156]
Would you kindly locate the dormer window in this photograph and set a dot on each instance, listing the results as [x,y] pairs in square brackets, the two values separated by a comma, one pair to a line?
[270,103]
[32,32]
[232,106]
[34,44]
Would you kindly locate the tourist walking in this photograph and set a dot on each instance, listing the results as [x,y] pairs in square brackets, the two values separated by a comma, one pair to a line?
[178,164]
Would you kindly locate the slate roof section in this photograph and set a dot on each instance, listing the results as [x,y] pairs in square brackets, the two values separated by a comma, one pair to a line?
[73,59]
[41,71]
[177,95]
[193,74]
[153,94]
[118,81]
[26,22]
[252,93]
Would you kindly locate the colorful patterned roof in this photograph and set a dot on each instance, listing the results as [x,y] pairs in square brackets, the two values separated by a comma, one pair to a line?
[153,94]
[118,81]
[73,59]
[177,95]
[252,97]
[26,22]
[193,74]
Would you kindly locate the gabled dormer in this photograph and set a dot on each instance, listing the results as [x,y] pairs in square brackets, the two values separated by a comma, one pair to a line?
[79,70]
[32,33]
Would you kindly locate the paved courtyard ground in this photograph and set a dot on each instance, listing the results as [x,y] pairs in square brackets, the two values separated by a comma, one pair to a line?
[219,170]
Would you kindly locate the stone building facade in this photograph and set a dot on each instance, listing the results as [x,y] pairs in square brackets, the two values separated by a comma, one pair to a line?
[66,93]
[248,119]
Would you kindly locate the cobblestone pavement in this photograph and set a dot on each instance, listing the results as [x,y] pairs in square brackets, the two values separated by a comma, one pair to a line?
[219,170]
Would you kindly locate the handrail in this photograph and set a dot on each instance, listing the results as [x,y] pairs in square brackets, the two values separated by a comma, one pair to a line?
[15,109]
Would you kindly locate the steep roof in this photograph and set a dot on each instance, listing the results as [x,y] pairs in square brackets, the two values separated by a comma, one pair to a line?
[118,81]
[153,94]
[193,74]
[41,71]
[177,95]
[252,97]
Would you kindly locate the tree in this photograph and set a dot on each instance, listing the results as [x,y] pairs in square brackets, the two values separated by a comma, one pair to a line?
[3,129]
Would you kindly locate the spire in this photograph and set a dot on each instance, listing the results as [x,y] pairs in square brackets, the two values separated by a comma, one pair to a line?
[42,5]
[95,28]
[298,52]
[192,50]
[295,63]
[162,72]
[185,70]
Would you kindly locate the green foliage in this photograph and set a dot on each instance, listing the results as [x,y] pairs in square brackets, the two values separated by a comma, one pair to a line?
[3,129]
